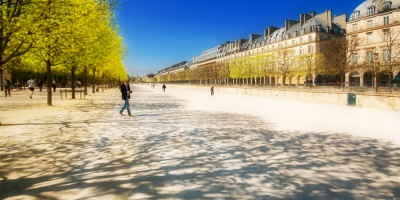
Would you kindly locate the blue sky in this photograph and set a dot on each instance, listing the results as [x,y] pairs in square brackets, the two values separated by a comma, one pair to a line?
[161,33]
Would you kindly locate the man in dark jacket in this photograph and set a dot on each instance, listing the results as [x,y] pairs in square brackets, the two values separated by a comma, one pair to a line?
[126,91]
[7,87]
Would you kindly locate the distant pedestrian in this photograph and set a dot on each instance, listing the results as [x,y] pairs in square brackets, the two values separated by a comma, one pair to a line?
[19,86]
[126,95]
[212,91]
[7,86]
[163,87]
[54,85]
[40,85]
[31,85]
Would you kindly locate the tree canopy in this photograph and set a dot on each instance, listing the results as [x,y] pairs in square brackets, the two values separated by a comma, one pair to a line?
[69,35]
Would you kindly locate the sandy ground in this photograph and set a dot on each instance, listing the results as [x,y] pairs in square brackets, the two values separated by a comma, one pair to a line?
[186,144]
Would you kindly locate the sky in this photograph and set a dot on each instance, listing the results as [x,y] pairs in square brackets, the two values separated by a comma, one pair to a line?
[161,33]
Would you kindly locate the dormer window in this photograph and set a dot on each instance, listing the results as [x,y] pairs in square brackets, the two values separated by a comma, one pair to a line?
[356,14]
[371,10]
[386,6]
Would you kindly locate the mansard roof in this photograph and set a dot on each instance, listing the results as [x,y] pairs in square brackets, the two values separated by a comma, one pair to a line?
[315,23]
[362,9]
[308,23]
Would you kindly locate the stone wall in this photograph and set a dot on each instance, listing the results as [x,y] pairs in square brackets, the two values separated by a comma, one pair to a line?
[385,101]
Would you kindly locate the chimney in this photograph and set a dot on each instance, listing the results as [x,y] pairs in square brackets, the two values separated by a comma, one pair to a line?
[239,42]
[271,29]
[265,33]
[341,20]
[327,17]
[289,23]
[304,18]
[312,14]
[253,37]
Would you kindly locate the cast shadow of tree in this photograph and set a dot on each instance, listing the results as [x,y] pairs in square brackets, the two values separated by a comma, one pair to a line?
[170,153]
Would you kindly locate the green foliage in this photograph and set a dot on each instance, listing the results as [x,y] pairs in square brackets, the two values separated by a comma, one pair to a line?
[61,37]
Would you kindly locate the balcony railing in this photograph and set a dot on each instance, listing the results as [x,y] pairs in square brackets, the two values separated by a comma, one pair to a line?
[373,25]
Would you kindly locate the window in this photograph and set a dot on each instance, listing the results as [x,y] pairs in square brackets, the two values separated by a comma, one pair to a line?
[369,37]
[371,10]
[310,49]
[301,40]
[385,55]
[386,20]
[354,27]
[356,14]
[370,56]
[369,23]
[386,6]
[309,38]
[354,58]
[386,35]
[300,50]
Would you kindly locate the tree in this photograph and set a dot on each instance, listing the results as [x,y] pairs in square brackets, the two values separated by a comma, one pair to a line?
[223,71]
[340,55]
[306,64]
[54,36]
[284,63]
[270,68]
[16,19]
[390,52]
[84,33]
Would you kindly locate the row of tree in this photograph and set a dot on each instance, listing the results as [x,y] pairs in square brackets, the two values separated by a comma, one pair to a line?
[74,36]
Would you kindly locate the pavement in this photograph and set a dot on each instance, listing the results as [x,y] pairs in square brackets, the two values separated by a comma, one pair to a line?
[187,144]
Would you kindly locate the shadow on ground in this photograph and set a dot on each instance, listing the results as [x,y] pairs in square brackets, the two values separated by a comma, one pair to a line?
[167,152]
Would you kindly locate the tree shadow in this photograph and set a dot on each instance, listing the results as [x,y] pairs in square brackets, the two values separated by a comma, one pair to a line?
[171,153]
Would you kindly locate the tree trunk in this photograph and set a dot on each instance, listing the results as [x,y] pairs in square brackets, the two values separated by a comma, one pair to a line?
[341,81]
[1,77]
[85,80]
[49,82]
[390,80]
[375,77]
[93,80]
[73,78]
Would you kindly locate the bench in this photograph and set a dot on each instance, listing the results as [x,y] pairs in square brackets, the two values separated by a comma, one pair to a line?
[70,90]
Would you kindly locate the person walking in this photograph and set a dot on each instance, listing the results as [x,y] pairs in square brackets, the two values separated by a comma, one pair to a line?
[7,87]
[212,91]
[40,85]
[126,91]
[31,85]
[163,87]
[54,85]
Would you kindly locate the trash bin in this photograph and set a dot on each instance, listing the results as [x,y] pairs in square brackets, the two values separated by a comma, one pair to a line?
[351,99]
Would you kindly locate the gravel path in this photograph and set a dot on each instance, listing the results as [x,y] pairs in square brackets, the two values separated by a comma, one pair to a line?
[185,144]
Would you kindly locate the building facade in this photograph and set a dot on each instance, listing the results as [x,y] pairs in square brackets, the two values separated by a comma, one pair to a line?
[291,55]
[376,24]
[280,56]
